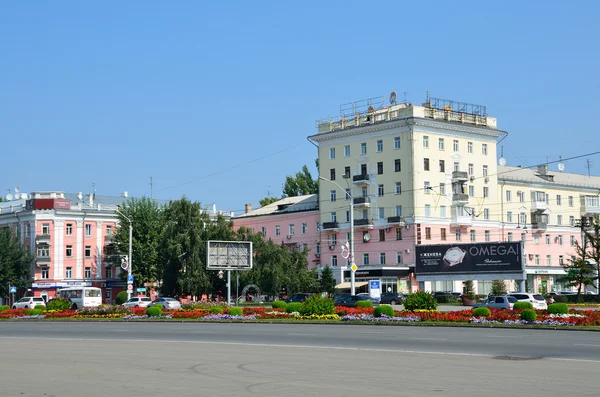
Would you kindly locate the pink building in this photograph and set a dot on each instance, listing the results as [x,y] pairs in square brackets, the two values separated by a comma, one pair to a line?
[292,221]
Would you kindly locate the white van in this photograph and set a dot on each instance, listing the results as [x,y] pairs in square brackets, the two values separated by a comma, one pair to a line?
[82,296]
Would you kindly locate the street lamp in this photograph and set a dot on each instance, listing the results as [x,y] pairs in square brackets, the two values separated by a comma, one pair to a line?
[130,256]
[349,193]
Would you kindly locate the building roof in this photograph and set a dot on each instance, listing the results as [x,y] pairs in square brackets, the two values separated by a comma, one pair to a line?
[530,175]
[287,205]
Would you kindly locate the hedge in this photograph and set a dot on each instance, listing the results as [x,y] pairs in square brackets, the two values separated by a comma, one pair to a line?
[522,305]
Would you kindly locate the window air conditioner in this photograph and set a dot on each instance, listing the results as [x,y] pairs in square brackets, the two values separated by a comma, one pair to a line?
[331,246]
[289,236]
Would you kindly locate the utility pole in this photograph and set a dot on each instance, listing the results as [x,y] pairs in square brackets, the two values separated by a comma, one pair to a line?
[151,185]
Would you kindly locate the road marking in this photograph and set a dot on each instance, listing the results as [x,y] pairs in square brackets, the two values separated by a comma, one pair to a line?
[586,344]
[428,339]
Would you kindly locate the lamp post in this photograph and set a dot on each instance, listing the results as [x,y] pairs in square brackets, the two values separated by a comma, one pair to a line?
[349,193]
[130,256]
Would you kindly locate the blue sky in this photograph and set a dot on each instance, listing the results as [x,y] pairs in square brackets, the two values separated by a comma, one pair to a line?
[215,100]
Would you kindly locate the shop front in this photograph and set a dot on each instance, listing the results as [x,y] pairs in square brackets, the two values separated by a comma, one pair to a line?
[544,279]
[393,279]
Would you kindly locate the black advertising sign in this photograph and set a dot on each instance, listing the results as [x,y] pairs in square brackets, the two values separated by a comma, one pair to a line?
[469,258]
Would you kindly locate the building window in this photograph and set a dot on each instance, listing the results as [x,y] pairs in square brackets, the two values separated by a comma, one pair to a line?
[441,143]
[486,192]
[456,166]
[442,211]
[87,272]
[455,145]
[471,169]
[348,195]
[427,187]
[43,251]
[443,233]
[399,258]
[485,170]
[333,239]
[365,259]
[549,260]
[561,260]
[442,189]
[347,172]
[558,199]
[442,166]
[382,258]
[69,251]
[88,230]
[458,234]
[427,209]
[509,217]
[291,229]
[510,237]
[88,251]
[469,147]
[425,141]
[332,195]
[571,221]
[572,241]
[45,273]
[364,192]
[332,153]
[570,201]
[69,272]
[537,259]
[304,228]
[397,165]
[521,197]
[486,234]
[560,239]
[380,167]
[333,216]
[348,218]
[536,239]
[380,190]
[471,191]
[508,195]
[381,234]
[347,151]
[426,164]
[396,143]
[379,146]
[381,212]
[486,213]
[263,231]
[398,188]
[334,260]
[109,230]
[484,150]
[46,229]
[363,148]
[473,236]
[69,229]
[28,230]
[398,233]
[399,210]
[427,233]
[332,174]
[559,220]
[277,230]
[547,239]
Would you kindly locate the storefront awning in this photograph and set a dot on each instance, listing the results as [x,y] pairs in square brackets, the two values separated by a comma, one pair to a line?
[346,285]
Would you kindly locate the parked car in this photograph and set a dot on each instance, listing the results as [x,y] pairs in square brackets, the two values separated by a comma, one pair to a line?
[537,300]
[29,302]
[339,298]
[391,298]
[351,300]
[167,303]
[298,297]
[138,301]
[498,302]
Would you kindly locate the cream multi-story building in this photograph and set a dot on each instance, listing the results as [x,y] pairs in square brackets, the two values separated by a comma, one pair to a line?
[428,175]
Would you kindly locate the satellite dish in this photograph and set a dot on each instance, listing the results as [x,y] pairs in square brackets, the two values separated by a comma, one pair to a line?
[561,165]
[24,196]
[80,196]
[502,161]
[9,197]
[17,190]
[366,237]
[393,98]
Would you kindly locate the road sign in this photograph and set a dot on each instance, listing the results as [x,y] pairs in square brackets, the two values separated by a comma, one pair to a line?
[13,290]
[140,289]
[354,267]
[124,262]
[130,278]
[129,287]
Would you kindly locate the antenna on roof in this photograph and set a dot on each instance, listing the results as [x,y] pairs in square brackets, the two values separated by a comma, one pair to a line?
[393,98]
[589,166]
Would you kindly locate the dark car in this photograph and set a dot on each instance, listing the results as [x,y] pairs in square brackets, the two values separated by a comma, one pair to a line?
[339,298]
[351,300]
[298,297]
[391,298]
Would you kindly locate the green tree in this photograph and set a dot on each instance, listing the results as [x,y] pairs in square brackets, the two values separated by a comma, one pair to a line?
[327,281]
[147,217]
[498,288]
[301,184]
[469,289]
[15,262]
[579,273]
[267,200]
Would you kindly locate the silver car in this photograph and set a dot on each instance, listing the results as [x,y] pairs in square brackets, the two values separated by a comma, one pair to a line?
[497,302]
[167,303]
[536,300]
[138,301]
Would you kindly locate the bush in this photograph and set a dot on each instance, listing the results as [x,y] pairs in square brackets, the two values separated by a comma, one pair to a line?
[216,310]
[59,304]
[558,308]
[154,311]
[528,315]
[33,312]
[447,298]
[364,304]
[383,310]
[293,307]
[279,305]
[235,311]
[317,305]
[121,298]
[481,312]
[522,305]
[159,305]
[420,300]
[40,307]
[4,307]
[560,298]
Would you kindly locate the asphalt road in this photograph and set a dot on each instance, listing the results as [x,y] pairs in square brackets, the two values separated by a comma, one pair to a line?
[206,359]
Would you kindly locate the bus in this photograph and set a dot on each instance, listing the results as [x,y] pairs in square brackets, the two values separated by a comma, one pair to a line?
[82,296]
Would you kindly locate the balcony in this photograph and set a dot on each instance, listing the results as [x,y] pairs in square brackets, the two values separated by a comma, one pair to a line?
[461,216]
[42,260]
[109,239]
[364,222]
[459,176]
[331,225]
[590,205]
[43,238]
[538,201]
[361,179]
[460,199]
[362,202]
[539,221]
[396,220]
